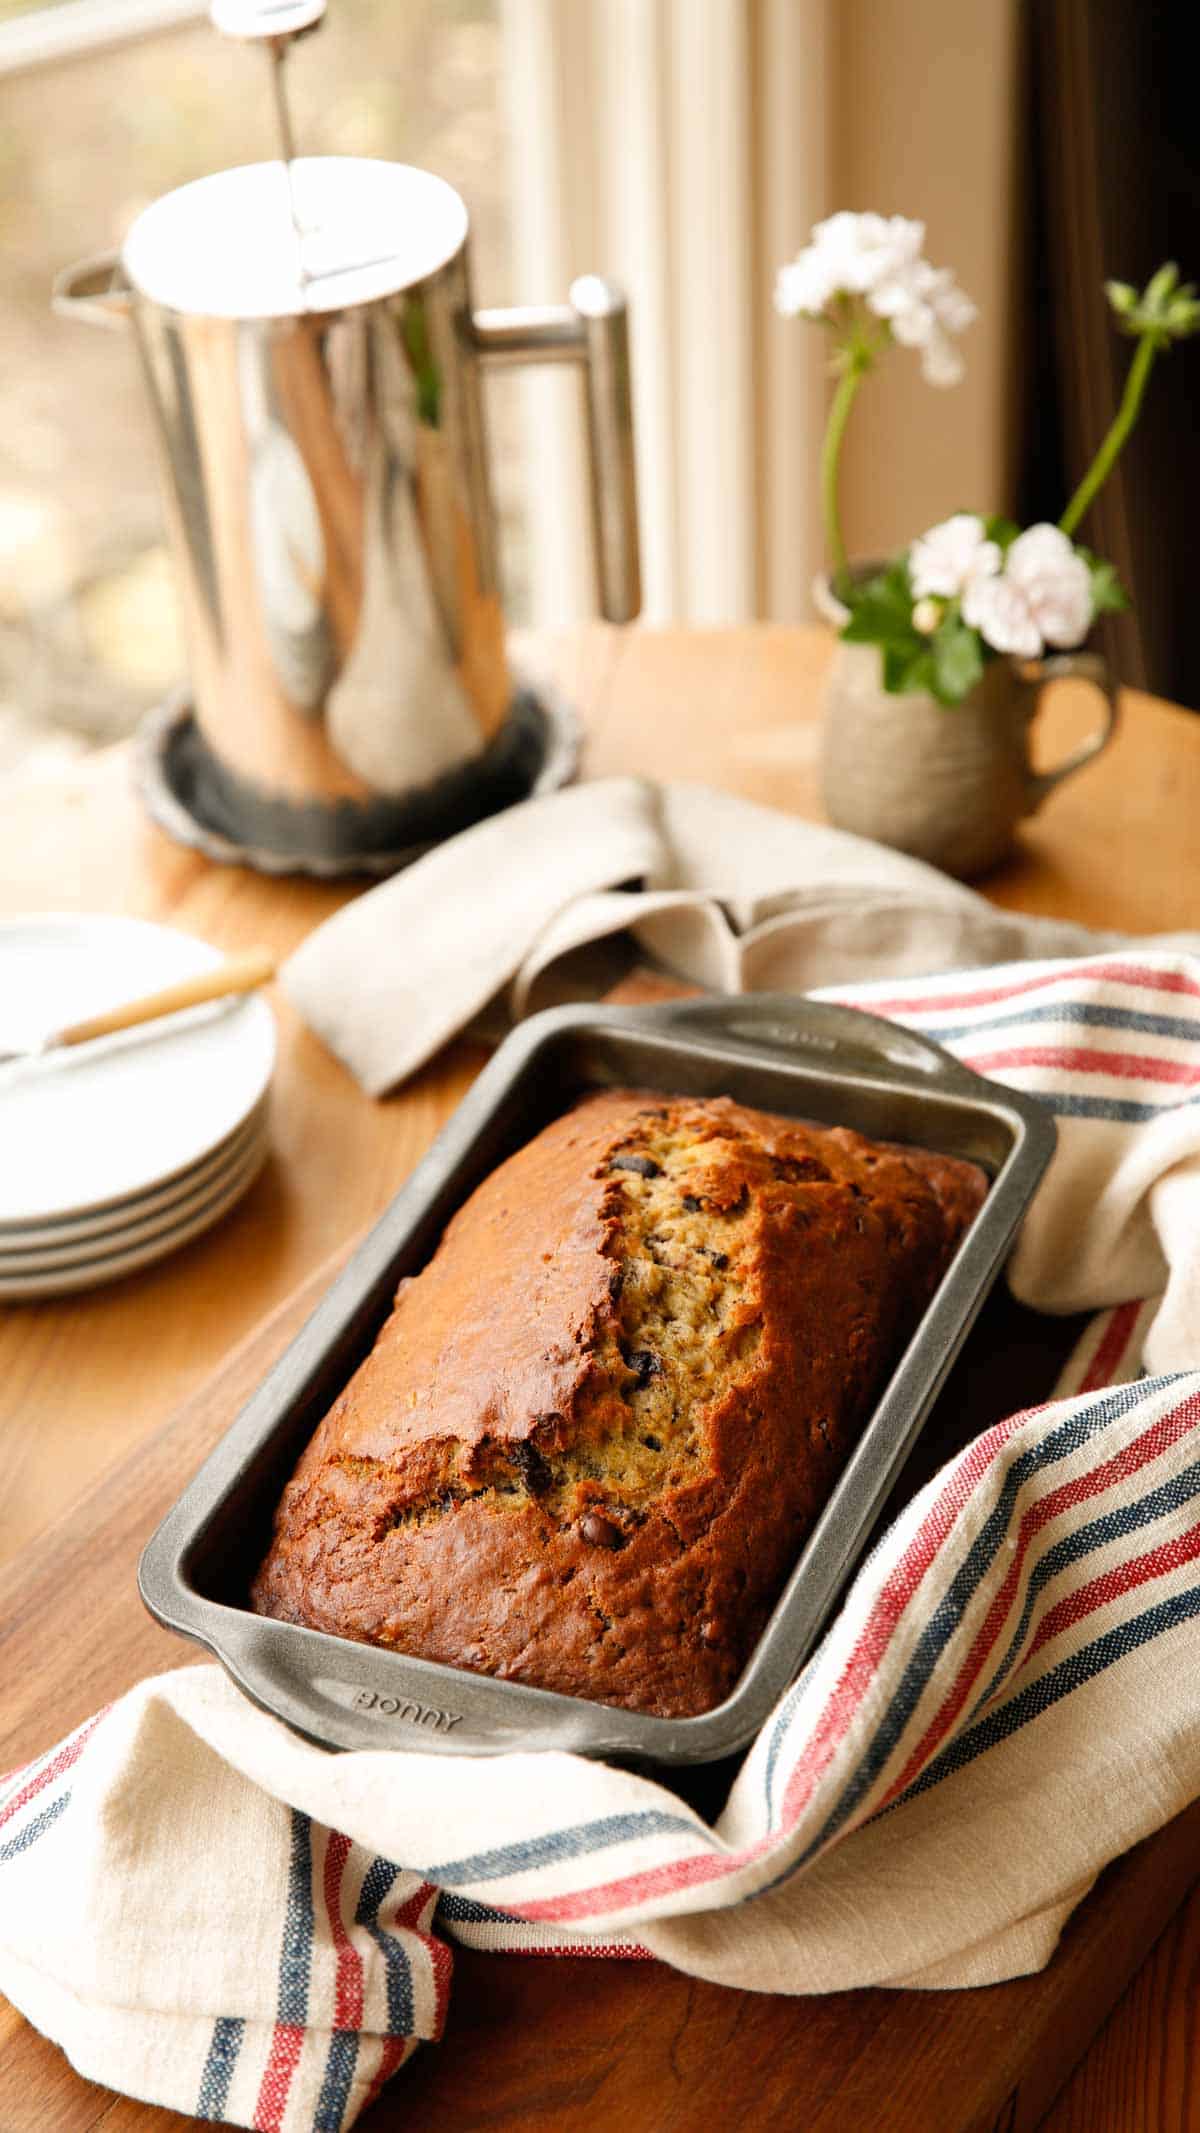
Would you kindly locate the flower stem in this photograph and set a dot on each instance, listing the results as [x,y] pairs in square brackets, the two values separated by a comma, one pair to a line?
[835,430]
[1113,444]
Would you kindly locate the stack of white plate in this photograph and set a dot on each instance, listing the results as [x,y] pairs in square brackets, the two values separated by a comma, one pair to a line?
[114,1153]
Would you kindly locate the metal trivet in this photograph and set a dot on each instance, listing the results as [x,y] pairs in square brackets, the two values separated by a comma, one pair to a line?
[201,803]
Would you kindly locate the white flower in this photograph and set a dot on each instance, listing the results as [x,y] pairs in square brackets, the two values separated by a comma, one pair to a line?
[869,249]
[806,285]
[925,307]
[1056,584]
[1044,596]
[1000,612]
[941,363]
[847,255]
[877,258]
[952,556]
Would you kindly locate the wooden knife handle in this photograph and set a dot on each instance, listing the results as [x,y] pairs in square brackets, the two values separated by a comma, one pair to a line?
[241,973]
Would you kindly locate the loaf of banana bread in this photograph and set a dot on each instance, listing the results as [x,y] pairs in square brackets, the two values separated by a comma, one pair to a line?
[593,1434]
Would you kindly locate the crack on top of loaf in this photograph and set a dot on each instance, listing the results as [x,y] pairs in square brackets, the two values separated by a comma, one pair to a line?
[683,1195]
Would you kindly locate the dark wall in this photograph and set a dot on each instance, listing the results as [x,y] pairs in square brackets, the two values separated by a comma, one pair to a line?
[1114,126]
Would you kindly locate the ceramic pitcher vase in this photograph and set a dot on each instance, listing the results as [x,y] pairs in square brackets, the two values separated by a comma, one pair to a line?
[948,783]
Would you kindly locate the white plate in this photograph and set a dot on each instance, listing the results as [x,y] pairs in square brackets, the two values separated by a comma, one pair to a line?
[67,1280]
[114,1244]
[81,1131]
[48,1236]
[123,1236]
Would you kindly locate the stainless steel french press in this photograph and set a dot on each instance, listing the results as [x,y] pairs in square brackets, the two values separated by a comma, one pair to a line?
[315,369]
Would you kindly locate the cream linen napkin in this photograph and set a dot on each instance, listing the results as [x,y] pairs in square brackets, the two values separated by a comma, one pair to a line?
[734,897]
[208,1911]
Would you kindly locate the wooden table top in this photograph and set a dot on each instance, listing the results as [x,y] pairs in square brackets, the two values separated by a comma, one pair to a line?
[89,1379]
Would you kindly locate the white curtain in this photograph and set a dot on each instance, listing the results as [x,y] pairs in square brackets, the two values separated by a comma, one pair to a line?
[682,147]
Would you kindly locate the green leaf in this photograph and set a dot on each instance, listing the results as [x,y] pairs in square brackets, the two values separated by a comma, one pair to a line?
[1109,596]
[908,666]
[957,660]
[895,666]
[881,608]
[947,664]
[881,613]
[874,622]
[1003,531]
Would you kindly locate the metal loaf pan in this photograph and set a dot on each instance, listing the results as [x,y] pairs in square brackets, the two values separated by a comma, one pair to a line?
[801,1057]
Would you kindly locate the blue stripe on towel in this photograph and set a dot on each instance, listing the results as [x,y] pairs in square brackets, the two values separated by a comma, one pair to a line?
[213,2093]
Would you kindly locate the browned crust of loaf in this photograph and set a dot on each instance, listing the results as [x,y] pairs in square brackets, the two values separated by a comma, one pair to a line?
[487,1491]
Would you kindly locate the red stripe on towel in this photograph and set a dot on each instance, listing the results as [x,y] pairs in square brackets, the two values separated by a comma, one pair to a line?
[1117,1335]
[348,1987]
[1080,1059]
[393,2053]
[59,1763]
[1141,975]
[287,2043]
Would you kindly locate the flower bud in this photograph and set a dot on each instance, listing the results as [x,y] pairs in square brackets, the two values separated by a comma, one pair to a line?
[1160,286]
[926,616]
[1167,309]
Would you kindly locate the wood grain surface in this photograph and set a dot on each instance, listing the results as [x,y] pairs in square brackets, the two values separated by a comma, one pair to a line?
[92,1380]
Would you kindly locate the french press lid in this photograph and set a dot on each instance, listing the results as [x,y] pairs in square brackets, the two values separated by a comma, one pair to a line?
[268,242]
[308,233]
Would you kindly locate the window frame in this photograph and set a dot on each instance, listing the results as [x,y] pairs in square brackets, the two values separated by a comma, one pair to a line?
[47,36]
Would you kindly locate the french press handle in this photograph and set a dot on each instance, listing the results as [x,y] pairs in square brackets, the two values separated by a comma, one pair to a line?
[593,329]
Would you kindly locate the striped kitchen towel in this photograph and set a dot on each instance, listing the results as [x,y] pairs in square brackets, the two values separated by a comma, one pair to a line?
[1008,1698]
